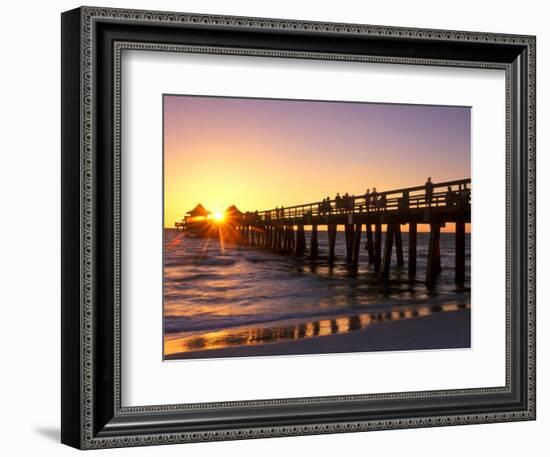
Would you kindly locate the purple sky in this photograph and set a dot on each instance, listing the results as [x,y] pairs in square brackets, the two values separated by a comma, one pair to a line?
[262,153]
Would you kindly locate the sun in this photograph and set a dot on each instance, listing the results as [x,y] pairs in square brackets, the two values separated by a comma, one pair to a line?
[218,216]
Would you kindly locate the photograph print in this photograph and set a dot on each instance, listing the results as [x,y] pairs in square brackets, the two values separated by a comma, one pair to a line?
[297,227]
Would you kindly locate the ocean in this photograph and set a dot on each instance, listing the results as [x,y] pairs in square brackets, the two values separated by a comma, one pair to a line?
[218,296]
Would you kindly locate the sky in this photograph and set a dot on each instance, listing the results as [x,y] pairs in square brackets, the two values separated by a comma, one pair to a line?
[263,153]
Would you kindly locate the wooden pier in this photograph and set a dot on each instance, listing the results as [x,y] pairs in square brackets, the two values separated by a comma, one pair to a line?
[283,229]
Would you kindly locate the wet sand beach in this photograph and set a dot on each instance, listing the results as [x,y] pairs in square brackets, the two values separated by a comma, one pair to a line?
[407,333]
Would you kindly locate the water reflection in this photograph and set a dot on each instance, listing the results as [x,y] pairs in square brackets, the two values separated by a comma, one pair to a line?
[243,336]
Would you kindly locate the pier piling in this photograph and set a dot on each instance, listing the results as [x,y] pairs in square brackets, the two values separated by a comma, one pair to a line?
[434,256]
[377,246]
[356,245]
[314,243]
[286,239]
[388,246]
[300,247]
[412,248]
[331,243]
[398,244]
[369,244]
[460,256]
[348,229]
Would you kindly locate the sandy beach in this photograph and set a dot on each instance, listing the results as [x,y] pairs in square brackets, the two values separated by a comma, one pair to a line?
[428,332]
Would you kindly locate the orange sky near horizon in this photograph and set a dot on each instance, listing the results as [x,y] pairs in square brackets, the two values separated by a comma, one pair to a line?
[262,153]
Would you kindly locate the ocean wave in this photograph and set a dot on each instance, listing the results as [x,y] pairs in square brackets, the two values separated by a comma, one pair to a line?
[205,322]
[214,261]
[193,277]
[201,322]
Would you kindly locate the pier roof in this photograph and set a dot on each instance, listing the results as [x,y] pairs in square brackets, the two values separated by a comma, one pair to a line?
[233,211]
[198,210]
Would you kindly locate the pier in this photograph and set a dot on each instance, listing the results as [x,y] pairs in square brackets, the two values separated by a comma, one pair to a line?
[283,229]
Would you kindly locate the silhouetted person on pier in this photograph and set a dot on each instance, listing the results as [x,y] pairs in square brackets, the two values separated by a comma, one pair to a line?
[450,199]
[338,202]
[374,198]
[367,200]
[282,211]
[429,191]
[382,201]
[346,202]
[328,206]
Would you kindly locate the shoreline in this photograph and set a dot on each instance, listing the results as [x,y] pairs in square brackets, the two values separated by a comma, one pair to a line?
[442,330]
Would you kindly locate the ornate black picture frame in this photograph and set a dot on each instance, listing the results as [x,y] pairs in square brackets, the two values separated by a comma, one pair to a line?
[92,414]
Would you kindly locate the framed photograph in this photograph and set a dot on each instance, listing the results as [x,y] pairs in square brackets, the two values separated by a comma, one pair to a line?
[274,227]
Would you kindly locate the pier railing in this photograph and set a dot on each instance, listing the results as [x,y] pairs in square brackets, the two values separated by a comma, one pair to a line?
[444,194]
